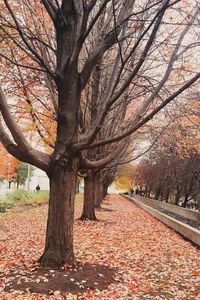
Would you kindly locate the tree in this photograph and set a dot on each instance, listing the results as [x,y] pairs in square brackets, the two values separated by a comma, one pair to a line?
[124,177]
[62,58]
[8,166]
[97,180]
[22,174]
[171,169]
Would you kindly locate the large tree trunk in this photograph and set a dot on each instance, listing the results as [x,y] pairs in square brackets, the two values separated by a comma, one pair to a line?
[88,212]
[99,195]
[59,235]
[105,190]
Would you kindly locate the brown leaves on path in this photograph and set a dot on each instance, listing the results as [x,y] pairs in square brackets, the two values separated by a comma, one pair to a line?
[127,254]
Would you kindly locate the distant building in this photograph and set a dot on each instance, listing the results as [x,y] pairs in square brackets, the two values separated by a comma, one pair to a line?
[39,178]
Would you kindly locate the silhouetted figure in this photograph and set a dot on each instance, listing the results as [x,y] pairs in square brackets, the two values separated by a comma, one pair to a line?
[37,188]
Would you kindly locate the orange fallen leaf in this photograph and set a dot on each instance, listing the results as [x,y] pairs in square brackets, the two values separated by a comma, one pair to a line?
[196,273]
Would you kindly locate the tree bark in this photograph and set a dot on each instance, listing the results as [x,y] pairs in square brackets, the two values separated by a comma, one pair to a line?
[88,212]
[59,235]
[99,195]
[105,190]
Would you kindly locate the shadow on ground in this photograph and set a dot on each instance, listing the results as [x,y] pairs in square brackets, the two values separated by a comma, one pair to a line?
[104,209]
[74,280]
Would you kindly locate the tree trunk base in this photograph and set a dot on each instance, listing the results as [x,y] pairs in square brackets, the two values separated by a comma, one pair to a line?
[48,261]
[89,218]
[88,212]
[54,260]
[98,206]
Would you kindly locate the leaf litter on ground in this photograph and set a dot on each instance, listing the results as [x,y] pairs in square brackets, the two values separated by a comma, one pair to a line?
[127,254]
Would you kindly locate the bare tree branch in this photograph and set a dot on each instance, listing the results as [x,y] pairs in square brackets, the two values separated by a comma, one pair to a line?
[31,49]
[22,146]
[144,120]
[51,9]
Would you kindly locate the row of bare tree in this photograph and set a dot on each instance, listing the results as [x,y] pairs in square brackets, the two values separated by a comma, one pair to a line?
[171,172]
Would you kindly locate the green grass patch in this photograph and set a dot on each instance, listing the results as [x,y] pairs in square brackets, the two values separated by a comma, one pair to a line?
[41,197]
[21,197]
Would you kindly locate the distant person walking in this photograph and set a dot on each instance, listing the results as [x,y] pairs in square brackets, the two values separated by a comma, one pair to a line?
[37,188]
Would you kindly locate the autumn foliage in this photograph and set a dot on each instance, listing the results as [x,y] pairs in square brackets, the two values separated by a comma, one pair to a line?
[124,178]
[8,165]
[171,169]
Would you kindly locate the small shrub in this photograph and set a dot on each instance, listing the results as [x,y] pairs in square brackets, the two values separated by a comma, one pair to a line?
[18,196]
[2,208]
[5,204]
[21,197]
